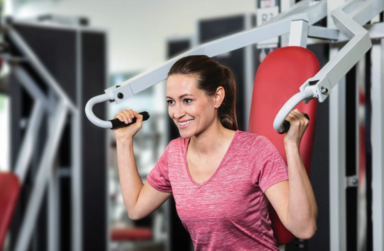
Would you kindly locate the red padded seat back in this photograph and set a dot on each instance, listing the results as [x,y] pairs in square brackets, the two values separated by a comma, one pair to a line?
[278,78]
[9,192]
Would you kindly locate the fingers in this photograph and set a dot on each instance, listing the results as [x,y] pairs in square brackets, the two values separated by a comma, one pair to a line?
[120,117]
[126,116]
[297,117]
[138,116]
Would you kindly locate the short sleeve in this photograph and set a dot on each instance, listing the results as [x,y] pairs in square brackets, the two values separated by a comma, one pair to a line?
[158,177]
[268,167]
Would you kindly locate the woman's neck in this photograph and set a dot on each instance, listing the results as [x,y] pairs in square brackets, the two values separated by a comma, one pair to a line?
[211,140]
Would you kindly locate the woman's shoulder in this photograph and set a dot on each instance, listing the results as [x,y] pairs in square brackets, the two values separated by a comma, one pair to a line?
[248,136]
[176,143]
[256,140]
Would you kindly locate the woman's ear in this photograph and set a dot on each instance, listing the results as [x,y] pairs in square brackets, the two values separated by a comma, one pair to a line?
[219,96]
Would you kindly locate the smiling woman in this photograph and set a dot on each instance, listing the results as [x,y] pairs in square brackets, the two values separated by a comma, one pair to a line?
[221,178]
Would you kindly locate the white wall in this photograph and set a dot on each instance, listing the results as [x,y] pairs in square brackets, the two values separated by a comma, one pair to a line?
[138,29]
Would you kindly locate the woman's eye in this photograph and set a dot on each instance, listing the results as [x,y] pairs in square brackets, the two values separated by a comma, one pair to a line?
[185,100]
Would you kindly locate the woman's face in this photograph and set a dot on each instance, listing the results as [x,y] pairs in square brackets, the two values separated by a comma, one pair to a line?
[190,109]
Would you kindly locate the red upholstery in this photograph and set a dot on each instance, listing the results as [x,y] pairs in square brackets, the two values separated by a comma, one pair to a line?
[278,78]
[9,192]
[131,233]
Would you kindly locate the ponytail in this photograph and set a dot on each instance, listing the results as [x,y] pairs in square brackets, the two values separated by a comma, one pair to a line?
[227,110]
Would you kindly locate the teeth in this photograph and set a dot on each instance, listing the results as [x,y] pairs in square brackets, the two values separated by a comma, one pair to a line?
[184,123]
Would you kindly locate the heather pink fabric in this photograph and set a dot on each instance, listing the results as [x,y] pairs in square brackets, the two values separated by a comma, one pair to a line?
[229,210]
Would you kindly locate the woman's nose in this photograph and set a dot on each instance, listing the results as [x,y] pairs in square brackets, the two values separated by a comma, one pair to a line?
[179,111]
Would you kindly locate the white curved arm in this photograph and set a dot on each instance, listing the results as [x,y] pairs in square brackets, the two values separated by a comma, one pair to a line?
[349,18]
[91,116]
[308,10]
[289,105]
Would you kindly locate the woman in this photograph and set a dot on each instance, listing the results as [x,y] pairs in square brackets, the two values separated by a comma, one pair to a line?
[219,176]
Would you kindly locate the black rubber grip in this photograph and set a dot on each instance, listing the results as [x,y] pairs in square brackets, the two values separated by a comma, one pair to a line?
[287,125]
[116,123]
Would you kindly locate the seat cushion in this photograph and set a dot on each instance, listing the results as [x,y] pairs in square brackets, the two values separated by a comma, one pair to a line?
[278,78]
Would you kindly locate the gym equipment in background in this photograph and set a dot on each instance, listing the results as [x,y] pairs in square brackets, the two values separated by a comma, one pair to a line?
[52,146]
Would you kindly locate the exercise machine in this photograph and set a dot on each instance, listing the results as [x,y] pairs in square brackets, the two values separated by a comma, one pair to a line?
[50,62]
[350,40]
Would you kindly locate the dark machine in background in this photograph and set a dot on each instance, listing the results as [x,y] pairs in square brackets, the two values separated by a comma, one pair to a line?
[76,57]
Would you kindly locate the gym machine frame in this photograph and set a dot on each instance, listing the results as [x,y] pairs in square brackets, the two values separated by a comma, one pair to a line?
[349,19]
[58,105]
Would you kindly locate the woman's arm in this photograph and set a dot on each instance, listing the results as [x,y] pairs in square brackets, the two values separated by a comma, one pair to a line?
[293,200]
[139,199]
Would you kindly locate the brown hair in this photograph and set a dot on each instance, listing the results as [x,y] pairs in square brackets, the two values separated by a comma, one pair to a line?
[210,75]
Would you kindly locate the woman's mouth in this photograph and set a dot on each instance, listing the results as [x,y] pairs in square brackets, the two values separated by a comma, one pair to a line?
[185,124]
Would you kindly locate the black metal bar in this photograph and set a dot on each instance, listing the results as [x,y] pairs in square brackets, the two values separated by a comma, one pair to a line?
[368,150]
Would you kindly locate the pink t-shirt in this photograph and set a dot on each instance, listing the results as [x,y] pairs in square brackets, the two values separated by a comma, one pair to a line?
[228,211]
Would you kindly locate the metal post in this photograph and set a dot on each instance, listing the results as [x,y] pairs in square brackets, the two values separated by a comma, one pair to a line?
[337,197]
[299,33]
[42,177]
[25,154]
[357,156]
[53,239]
[249,73]
[377,139]
[76,161]
[53,189]
[337,163]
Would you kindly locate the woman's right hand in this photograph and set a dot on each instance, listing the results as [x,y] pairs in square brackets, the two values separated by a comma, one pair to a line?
[126,116]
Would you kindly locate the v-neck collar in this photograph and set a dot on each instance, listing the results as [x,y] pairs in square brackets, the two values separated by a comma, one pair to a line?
[186,142]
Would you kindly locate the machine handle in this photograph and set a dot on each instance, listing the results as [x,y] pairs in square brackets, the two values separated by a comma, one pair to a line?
[112,124]
[91,116]
[116,123]
[278,123]
[287,125]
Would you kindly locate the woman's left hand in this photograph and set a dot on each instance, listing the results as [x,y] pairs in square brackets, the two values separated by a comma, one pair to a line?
[299,124]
